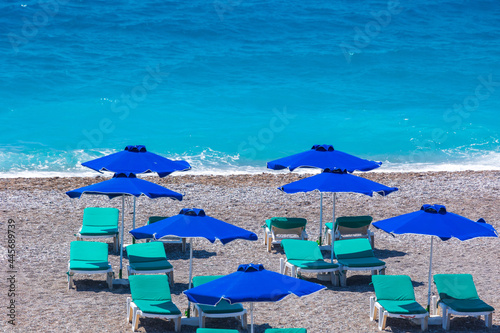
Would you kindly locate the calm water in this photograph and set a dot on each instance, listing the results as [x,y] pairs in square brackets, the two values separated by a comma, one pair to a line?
[231,84]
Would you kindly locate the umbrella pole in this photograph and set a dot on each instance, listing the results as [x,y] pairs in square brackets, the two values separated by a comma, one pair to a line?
[251,317]
[121,236]
[133,222]
[190,273]
[430,277]
[320,216]
[333,226]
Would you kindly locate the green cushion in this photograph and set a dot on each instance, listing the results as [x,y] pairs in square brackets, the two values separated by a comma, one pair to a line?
[88,251]
[159,307]
[286,222]
[199,280]
[318,264]
[88,256]
[98,231]
[402,307]
[459,293]
[393,287]
[468,305]
[458,286]
[151,266]
[353,248]
[98,221]
[296,249]
[146,252]
[353,221]
[285,330]
[222,307]
[215,330]
[361,262]
[149,287]
[154,219]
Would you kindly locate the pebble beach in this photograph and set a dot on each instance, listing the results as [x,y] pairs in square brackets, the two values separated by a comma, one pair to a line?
[46,220]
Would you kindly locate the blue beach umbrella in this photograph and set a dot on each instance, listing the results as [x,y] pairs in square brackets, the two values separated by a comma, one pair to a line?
[121,185]
[336,181]
[136,159]
[251,283]
[193,223]
[434,220]
[322,157]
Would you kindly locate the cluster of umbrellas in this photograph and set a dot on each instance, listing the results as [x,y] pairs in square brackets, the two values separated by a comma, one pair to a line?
[252,283]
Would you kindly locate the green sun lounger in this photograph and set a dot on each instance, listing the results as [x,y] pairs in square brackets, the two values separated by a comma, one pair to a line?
[283,226]
[89,258]
[304,256]
[150,297]
[458,296]
[223,309]
[285,330]
[149,258]
[356,255]
[394,297]
[167,239]
[346,227]
[99,222]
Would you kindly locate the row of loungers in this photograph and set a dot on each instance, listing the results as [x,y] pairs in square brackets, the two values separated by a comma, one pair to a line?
[352,254]
[394,295]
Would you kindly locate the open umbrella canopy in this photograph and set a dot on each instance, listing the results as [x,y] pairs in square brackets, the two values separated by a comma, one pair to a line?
[323,156]
[434,220]
[193,223]
[337,181]
[136,159]
[251,283]
[125,184]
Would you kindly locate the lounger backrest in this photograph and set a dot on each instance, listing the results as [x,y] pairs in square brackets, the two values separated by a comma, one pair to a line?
[146,252]
[154,219]
[296,249]
[286,222]
[88,251]
[149,287]
[100,217]
[353,222]
[393,287]
[353,248]
[199,280]
[457,286]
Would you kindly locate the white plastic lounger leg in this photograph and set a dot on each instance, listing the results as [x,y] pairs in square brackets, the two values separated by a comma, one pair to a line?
[129,310]
[244,321]
[282,266]
[109,280]
[424,323]
[335,278]
[446,317]
[488,320]
[382,319]
[70,280]
[135,320]
[177,322]
[343,277]
[373,313]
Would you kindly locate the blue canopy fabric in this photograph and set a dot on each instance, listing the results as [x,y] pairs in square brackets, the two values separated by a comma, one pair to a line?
[136,159]
[125,184]
[337,181]
[193,223]
[251,283]
[434,220]
[323,157]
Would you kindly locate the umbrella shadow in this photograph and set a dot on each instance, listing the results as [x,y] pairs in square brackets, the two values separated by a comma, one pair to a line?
[384,254]
[197,254]
[178,288]
[258,328]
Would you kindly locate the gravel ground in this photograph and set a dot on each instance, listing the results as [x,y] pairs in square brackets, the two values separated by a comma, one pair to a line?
[46,220]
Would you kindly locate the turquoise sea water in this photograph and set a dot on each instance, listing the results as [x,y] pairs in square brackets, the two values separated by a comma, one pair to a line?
[231,84]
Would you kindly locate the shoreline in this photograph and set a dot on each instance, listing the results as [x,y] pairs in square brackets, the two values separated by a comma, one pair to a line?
[47,220]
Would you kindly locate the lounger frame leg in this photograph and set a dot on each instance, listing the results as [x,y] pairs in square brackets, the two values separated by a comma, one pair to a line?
[488,320]
[244,321]
[129,310]
[135,320]
[177,323]
[424,324]
[373,309]
[109,279]
[382,319]
[343,278]
[71,285]
[446,316]
[282,266]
